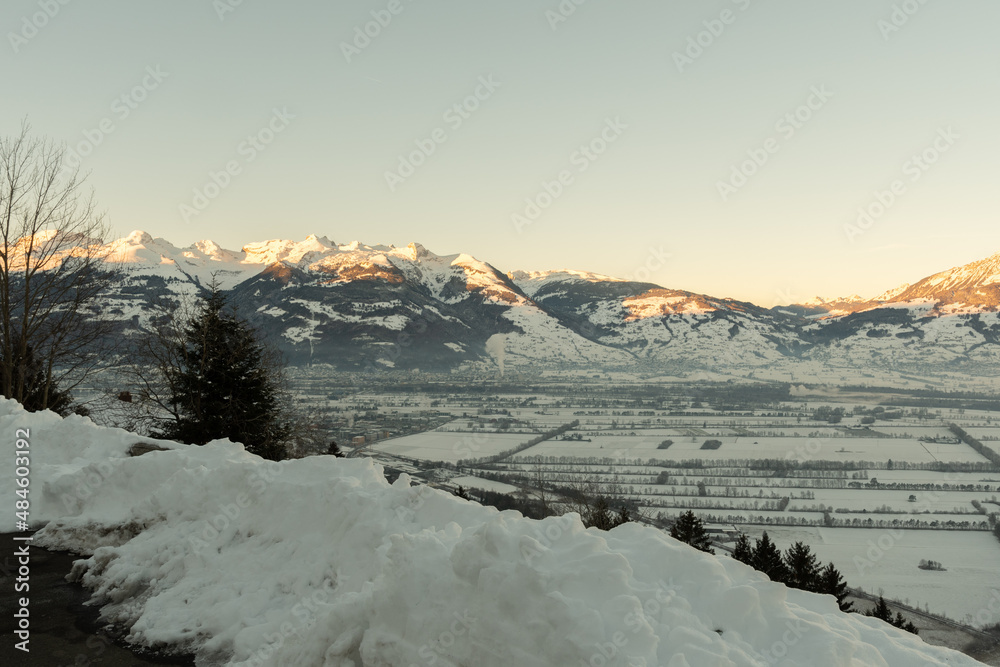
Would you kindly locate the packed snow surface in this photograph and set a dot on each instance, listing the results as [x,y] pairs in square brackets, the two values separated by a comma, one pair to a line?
[322,562]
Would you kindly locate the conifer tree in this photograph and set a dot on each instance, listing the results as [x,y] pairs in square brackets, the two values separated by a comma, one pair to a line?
[38,388]
[224,387]
[689,529]
[832,583]
[767,558]
[803,570]
[881,611]
[624,516]
[600,516]
[743,551]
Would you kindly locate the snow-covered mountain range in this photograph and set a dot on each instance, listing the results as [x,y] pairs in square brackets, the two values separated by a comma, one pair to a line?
[358,307]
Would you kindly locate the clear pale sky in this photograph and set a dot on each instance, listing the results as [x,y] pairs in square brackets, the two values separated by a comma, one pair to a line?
[222,69]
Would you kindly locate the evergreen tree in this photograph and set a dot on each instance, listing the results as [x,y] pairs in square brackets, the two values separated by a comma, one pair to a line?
[600,516]
[335,450]
[38,388]
[767,558]
[224,387]
[904,624]
[689,529]
[832,583]
[881,611]
[743,551]
[803,570]
[462,493]
[624,516]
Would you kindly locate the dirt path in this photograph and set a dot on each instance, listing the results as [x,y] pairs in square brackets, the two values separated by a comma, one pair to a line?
[64,632]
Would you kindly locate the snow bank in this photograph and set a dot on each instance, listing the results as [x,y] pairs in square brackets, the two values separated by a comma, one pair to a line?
[321,562]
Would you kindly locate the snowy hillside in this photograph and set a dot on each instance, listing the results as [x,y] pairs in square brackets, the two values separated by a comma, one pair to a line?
[372,308]
[322,562]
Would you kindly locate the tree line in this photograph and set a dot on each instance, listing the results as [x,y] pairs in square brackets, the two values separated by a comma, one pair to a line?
[797,567]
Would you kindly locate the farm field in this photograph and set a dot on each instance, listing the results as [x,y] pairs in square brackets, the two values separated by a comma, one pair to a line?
[780,466]
[734,447]
[970,581]
[449,446]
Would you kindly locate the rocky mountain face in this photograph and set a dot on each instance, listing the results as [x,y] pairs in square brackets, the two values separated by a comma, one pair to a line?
[358,307]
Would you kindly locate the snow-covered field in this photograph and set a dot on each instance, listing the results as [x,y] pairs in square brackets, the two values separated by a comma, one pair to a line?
[471,482]
[932,501]
[886,561]
[733,447]
[321,562]
[441,445]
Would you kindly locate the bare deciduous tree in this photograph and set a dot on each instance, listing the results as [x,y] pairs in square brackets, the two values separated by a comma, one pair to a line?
[52,272]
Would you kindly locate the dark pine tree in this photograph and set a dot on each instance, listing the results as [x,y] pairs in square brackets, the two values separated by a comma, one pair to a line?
[600,516]
[903,624]
[743,551]
[689,529]
[803,570]
[767,558]
[223,387]
[832,583]
[462,493]
[624,516]
[881,611]
[40,390]
[335,450]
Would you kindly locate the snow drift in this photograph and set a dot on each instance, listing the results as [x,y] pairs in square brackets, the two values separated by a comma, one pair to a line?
[321,562]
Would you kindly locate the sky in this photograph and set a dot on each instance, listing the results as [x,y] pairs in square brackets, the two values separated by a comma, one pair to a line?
[769,151]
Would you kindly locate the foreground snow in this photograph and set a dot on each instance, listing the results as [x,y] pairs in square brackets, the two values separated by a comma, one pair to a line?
[322,562]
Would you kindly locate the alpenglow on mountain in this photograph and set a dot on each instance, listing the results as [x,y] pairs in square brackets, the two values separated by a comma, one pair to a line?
[370,308]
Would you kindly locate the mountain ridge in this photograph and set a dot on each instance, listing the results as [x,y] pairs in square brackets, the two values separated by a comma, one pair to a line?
[377,307]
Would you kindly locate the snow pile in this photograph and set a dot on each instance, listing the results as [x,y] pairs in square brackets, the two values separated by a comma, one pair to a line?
[321,562]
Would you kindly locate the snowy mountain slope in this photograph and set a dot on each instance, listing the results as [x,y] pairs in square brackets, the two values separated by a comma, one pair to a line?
[971,288]
[910,336]
[320,561]
[373,307]
[660,325]
[949,319]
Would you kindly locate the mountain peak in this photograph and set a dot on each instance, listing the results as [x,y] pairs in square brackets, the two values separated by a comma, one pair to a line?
[418,251]
[323,242]
[139,237]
